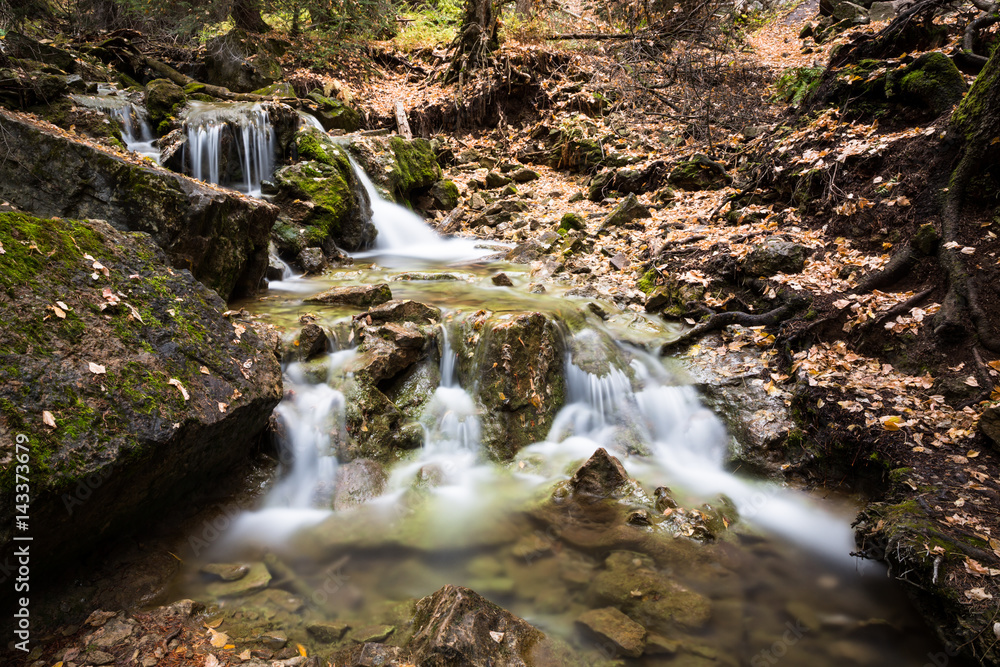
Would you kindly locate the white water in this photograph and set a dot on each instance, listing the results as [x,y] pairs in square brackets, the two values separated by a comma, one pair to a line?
[136,130]
[219,134]
[404,238]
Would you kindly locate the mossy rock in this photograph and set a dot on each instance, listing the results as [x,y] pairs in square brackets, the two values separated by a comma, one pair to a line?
[334,114]
[404,169]
[241,62]
[135,423]
[699,173]
[932,81]
[164,99]
[444,195]
[571,221]
[279,89]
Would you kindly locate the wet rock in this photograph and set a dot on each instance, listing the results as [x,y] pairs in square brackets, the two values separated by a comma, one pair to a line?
[524,175]
[256,579]
[615,631]
[310,342]
[357,482]
[312,261]
[417,275]
[405,169]
[220,237]
[629,210]
[362,296]
[403,310]
[456,626]
[536,288]
[520,362]
[117,451]
[327,632]
[387,349]
[273,639]
[502,280]
[602,476]
[334,114]
[699,173]
[373,655]
[226,571]
[775,256]
[164,100]
[275,270]
[372,634]
[658,299]
[495,180]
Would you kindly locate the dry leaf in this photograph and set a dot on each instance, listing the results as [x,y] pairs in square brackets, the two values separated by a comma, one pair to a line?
[971,381]
[211,661]
[59,312]
[48,419]
[978,594]
[96,369]
[302,650]
[891,423]
[177,383]
[219,639]
[223,407]
[496,636]
[204,370]
[972,453]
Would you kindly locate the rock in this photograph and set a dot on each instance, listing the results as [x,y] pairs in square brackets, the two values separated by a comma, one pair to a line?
[699,173]
[111,634]
[775,256]
[882,11]
[403,310]
[99,658]
[925,241]
[989,424]
[476,202]
[521,384]
[274,640]
[164,100]
[226,571]
[502,280]
[277,90]
[118,452]
[524,175]
[362,296]
[241,61]
[373,655]
[509,191]
[658,299]
[615,631]
[602,476]
[388,349]
[327,632]
[848,10]
[571,221]
[627,180]
[220,237]
[372,634]
[358,482]
[334,114]
[495,180]
[536,288]
[456,626]
[310,342]
[312,261]
[630,209]
[405,169]
[339,215]
[256,579]
[932,81]
[619,262]
[444,195]
[98,618]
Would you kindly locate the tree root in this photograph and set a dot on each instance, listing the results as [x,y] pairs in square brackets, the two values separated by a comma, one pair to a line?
[898,309]
[721,320]
[894,271]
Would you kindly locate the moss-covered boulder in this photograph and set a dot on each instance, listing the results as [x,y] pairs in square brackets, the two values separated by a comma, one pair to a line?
[241,62]
[932,81]
[516,363]
[220,237]
[120,377]
[336,212]
[164,101]
[404,169]
[334,114]
[443,195]
[699,173]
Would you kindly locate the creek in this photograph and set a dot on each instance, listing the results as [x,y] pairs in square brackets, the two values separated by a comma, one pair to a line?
[729,570]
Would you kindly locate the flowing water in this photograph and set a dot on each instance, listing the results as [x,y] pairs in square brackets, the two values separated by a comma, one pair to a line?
[230,144]
[136,130]
[777,585]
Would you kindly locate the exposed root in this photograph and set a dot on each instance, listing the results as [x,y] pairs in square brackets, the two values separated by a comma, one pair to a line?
[721,320]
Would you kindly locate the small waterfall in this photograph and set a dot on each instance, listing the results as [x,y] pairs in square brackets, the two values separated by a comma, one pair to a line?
[230,144]
[451,417]
[136,130]
[309,120]
[404,238]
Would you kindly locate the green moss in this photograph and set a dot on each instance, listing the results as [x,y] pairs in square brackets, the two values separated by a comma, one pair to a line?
[415,165]
[648,281]
[570,221]
[796,84]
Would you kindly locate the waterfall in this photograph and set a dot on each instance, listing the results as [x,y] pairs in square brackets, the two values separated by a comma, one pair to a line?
[451,417]
[136,131]
[230,144]
[405,239]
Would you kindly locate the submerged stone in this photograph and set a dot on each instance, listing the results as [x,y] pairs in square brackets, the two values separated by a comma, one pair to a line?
[625,636]
[256,579]
[226,571]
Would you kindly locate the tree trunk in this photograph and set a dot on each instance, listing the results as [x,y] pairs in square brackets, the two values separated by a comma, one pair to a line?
[976,122]
[477,38]
[246,16]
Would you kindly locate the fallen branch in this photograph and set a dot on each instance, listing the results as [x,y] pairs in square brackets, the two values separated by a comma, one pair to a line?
[219,92]
[590,35]
[721,320]
[891,314]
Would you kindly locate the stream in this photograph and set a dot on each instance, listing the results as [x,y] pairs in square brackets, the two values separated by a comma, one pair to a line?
[735,570]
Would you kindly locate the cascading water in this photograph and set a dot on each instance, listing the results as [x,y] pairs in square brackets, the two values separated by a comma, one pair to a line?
[136,130]
[230,144]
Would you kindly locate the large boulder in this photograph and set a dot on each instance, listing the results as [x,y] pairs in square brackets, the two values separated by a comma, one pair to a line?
[334,114]
[457,627]
[517,367]
[220,237]
[324,202]
[122,378]
[164,100]
[241,62]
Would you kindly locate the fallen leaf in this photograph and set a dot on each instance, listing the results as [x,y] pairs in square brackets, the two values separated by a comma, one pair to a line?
[204,370]
[214,623]
[971,381]
[972,453]
[219,639]
[223,407]
[891,423]
[63,305]
[978,594]
[59,312]
[96,369]
[48,419]
[177,383]
[211,660]
[302,650]
[496,636]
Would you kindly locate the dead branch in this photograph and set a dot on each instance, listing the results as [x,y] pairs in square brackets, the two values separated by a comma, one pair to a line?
[721,320]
